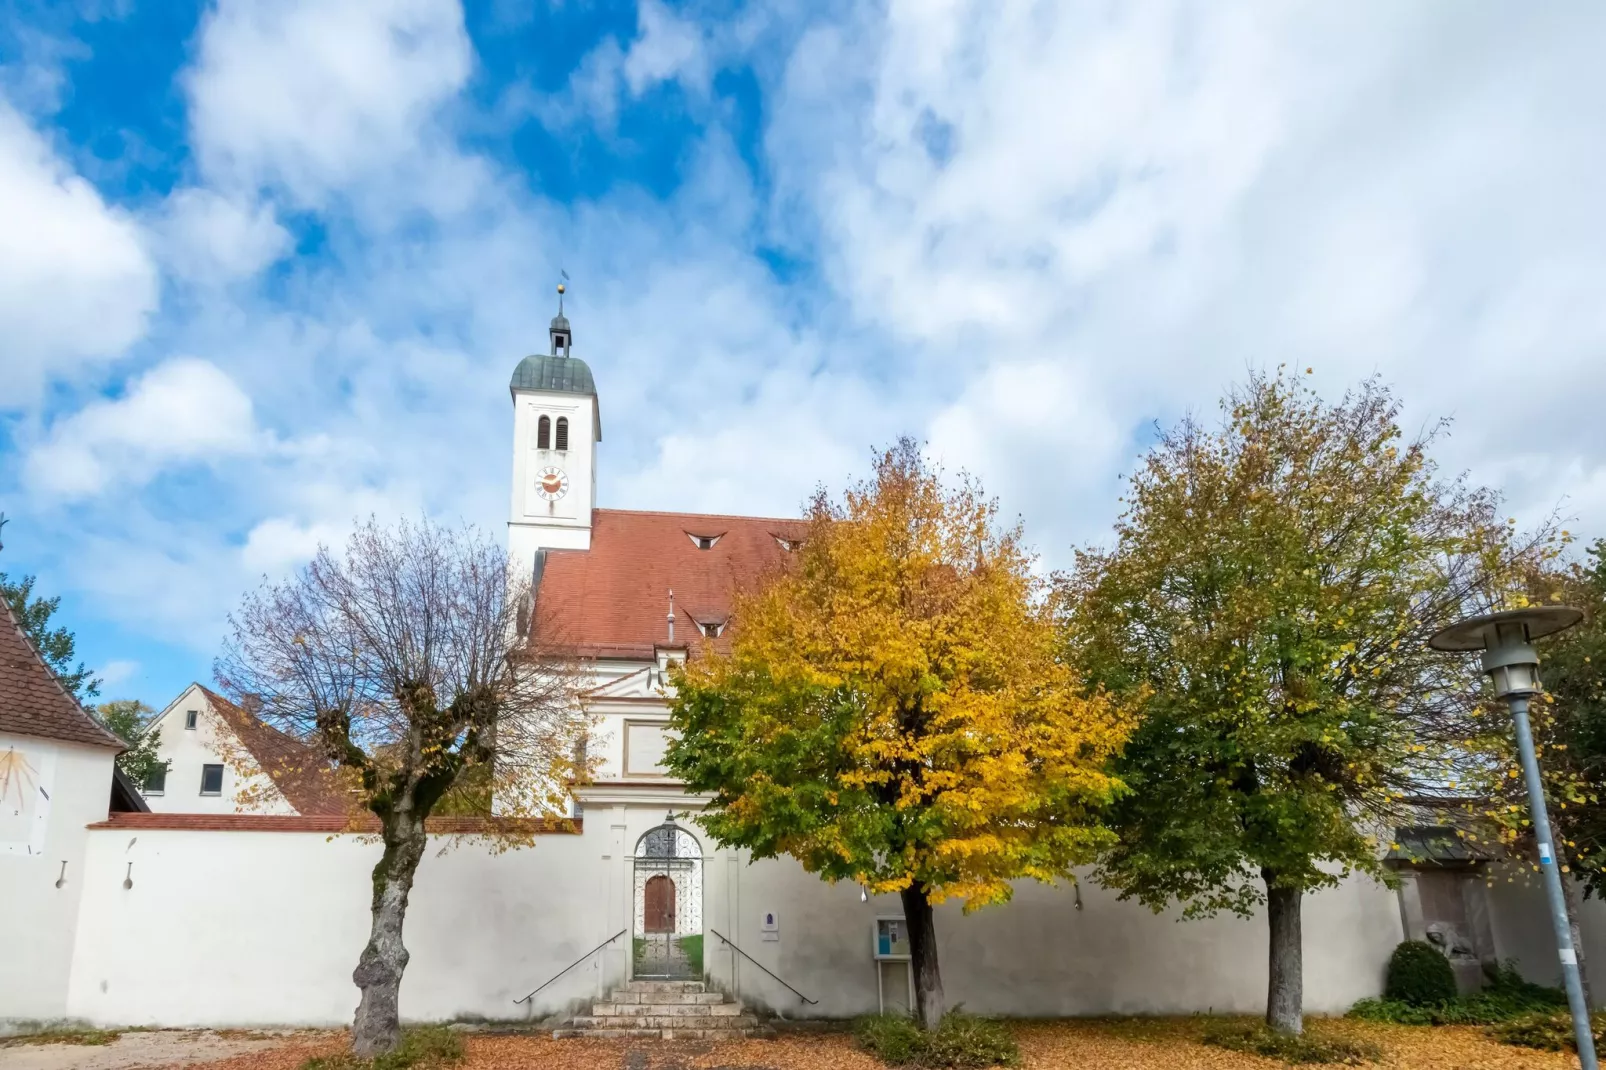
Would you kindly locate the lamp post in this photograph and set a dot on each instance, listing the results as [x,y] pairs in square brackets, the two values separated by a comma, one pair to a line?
[1513,667]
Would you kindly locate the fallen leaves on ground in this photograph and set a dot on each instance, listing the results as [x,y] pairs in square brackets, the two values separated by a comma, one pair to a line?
[1085,1044]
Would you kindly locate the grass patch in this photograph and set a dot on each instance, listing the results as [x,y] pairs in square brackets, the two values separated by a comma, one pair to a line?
[1257,1039]
[692,948]
[1506,998]
[961,1040]
[646,958]
[424,1047]
[92,1037]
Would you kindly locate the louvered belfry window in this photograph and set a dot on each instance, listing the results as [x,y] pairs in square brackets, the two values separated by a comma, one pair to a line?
[543,434]
[563,433]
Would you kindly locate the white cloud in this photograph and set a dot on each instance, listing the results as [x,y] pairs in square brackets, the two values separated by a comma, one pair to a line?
[1024,231]
[668,48]
[116,673]
[76,284]
[279,544]
[1039,437]
[314,96]
[206,237]
[1157,197]
[180,412]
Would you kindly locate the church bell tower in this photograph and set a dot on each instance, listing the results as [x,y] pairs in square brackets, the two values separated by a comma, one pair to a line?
[556,428]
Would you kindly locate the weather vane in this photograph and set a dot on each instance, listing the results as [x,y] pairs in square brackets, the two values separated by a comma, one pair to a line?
[562,289]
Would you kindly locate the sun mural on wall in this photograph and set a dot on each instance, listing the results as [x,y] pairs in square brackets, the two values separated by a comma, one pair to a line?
[24,801]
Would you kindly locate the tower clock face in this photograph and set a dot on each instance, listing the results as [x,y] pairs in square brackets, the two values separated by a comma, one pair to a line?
[551,483]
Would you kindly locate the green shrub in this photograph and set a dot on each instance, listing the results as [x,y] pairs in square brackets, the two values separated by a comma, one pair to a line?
[1395,1011]
[1504,998]
[895,1039]
[961,1040]
[1419,974]
[966,1040]
[425,1047]
[1256,1039]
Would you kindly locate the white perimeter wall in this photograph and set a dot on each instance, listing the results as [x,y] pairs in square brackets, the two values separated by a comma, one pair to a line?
[38,919]
[242,928]
[245,928]
[1039,956]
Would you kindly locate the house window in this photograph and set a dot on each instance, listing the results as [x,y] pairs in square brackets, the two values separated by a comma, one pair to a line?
[211,780]
[711,630]
[784,543]
[189,719]
[156,781]
[543,434]
[705,542]
[563,433]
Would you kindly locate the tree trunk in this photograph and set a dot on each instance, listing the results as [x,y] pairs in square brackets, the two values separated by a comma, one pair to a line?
[1285,993]
[1575,906]
[920,918]
[376,1029]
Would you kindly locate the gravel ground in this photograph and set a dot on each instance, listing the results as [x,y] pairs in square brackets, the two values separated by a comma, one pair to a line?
[149,1049]
[1128,1044]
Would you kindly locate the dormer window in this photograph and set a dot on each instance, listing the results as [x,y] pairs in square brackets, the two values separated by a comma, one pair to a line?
[711,629]
[543,434]
[786,544]
[563,433]
[705,542]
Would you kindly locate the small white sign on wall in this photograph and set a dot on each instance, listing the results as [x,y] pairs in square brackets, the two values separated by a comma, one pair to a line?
[769,926]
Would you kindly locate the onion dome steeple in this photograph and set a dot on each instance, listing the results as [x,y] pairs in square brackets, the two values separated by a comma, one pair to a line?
[556,371]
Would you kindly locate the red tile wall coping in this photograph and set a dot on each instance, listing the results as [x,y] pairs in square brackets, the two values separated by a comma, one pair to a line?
[439,826]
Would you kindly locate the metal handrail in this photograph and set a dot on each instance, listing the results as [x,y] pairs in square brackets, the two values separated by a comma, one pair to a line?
[572,965]
[760,965]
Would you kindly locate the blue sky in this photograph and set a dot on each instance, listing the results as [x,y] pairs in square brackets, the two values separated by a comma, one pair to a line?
[267,264]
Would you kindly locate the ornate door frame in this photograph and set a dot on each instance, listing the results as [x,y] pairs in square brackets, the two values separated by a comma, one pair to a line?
[668,853]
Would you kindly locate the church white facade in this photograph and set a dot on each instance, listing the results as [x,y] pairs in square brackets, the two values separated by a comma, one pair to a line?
[195,916]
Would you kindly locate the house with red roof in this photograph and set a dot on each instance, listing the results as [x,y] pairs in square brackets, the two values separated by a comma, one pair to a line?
[219,758]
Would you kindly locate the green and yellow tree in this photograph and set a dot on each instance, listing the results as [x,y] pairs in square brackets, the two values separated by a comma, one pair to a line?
[1268,600]
[895,710]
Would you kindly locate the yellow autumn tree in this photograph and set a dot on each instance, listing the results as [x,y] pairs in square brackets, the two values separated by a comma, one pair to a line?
[895,709]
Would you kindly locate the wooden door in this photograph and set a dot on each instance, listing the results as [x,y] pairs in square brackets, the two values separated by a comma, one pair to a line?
[658,905]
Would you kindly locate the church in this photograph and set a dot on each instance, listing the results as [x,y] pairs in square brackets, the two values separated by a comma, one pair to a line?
[195,912]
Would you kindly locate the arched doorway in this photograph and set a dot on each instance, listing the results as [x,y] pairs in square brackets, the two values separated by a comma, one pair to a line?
[668,904]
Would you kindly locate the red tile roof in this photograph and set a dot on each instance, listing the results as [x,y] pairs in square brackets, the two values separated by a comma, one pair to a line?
[32,700]
[327,823]
[305,779]
[613,599]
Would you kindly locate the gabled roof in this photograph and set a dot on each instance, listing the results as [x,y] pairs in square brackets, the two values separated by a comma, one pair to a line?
[32,700]
[613,599]
[296,769]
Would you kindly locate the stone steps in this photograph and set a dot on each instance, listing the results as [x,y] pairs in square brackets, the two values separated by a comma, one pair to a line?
[661,1021]
[566,1033]
[699,1010]
[668,1010]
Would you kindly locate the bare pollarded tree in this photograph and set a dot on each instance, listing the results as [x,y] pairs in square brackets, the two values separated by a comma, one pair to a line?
[403,664]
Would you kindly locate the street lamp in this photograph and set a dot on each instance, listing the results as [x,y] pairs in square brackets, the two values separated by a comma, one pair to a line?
[1513,667]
